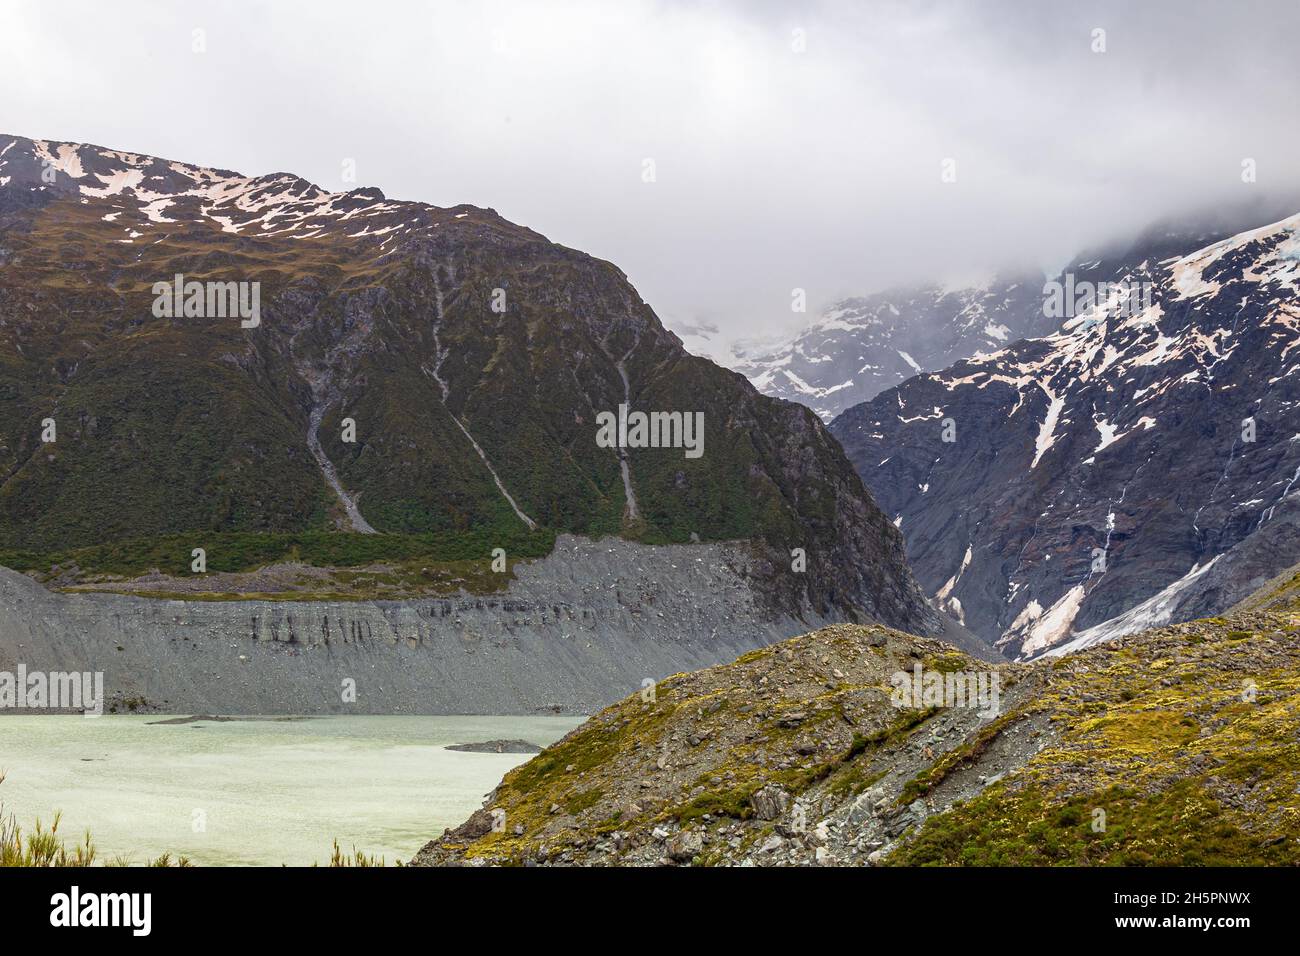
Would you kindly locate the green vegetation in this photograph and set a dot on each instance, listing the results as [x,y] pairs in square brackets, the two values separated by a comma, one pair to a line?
[247,551]
[45,848]
[1181,826]
[1176,751]
[41,847]
[947,663]
[356,858]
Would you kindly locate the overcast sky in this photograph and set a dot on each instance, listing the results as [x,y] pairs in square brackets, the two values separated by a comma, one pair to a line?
[775,167]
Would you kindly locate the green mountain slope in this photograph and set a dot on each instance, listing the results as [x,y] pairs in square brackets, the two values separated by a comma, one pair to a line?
[471,355]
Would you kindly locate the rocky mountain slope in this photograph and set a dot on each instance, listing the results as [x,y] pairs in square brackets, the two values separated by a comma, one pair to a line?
[1172,747]
[862,346]
[859,347]
[469,356]
[1119,467]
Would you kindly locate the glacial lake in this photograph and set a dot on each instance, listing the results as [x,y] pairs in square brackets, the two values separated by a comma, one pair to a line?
[265,792]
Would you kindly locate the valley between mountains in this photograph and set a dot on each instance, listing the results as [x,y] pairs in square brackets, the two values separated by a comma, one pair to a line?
[1110,501]
[383,468]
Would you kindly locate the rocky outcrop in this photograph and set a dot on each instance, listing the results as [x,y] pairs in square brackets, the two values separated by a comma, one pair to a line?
[1172,747]
[498,747]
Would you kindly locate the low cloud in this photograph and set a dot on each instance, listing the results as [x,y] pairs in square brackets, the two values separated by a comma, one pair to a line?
[775,166]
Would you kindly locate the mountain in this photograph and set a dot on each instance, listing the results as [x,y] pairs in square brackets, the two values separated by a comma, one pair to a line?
[1174,747]
[1109,468]
[471,359]
[861,346]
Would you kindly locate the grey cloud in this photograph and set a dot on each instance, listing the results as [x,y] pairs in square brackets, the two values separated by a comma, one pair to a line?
[776,169]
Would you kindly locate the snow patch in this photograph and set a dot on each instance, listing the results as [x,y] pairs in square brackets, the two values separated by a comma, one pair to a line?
[909,360]
[1053,625]
[1046,436]
[1155,611]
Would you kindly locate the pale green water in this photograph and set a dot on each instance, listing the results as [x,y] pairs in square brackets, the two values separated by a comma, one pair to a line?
[272,792]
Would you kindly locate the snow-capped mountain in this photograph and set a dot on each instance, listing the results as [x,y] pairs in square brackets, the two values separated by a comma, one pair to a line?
[145,192]
[1135,467]
[861,346]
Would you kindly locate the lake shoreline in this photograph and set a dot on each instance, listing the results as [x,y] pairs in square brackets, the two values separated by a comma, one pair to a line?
[260,792]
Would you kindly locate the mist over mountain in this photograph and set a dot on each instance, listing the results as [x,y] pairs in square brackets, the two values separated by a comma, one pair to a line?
[661,434]
[858,347]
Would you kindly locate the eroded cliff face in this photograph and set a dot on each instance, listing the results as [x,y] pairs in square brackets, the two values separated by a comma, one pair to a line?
[572,632]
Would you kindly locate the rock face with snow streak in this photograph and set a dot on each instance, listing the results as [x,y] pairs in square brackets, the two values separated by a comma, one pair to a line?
[1093,469]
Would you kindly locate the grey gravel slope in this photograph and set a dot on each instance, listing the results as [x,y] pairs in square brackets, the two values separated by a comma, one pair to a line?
[576,631]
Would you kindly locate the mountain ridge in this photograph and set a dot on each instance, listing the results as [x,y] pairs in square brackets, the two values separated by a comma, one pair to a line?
[860,346]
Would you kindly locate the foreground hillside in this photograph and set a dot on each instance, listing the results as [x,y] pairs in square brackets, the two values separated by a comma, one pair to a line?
[1177,746]
[418,385]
